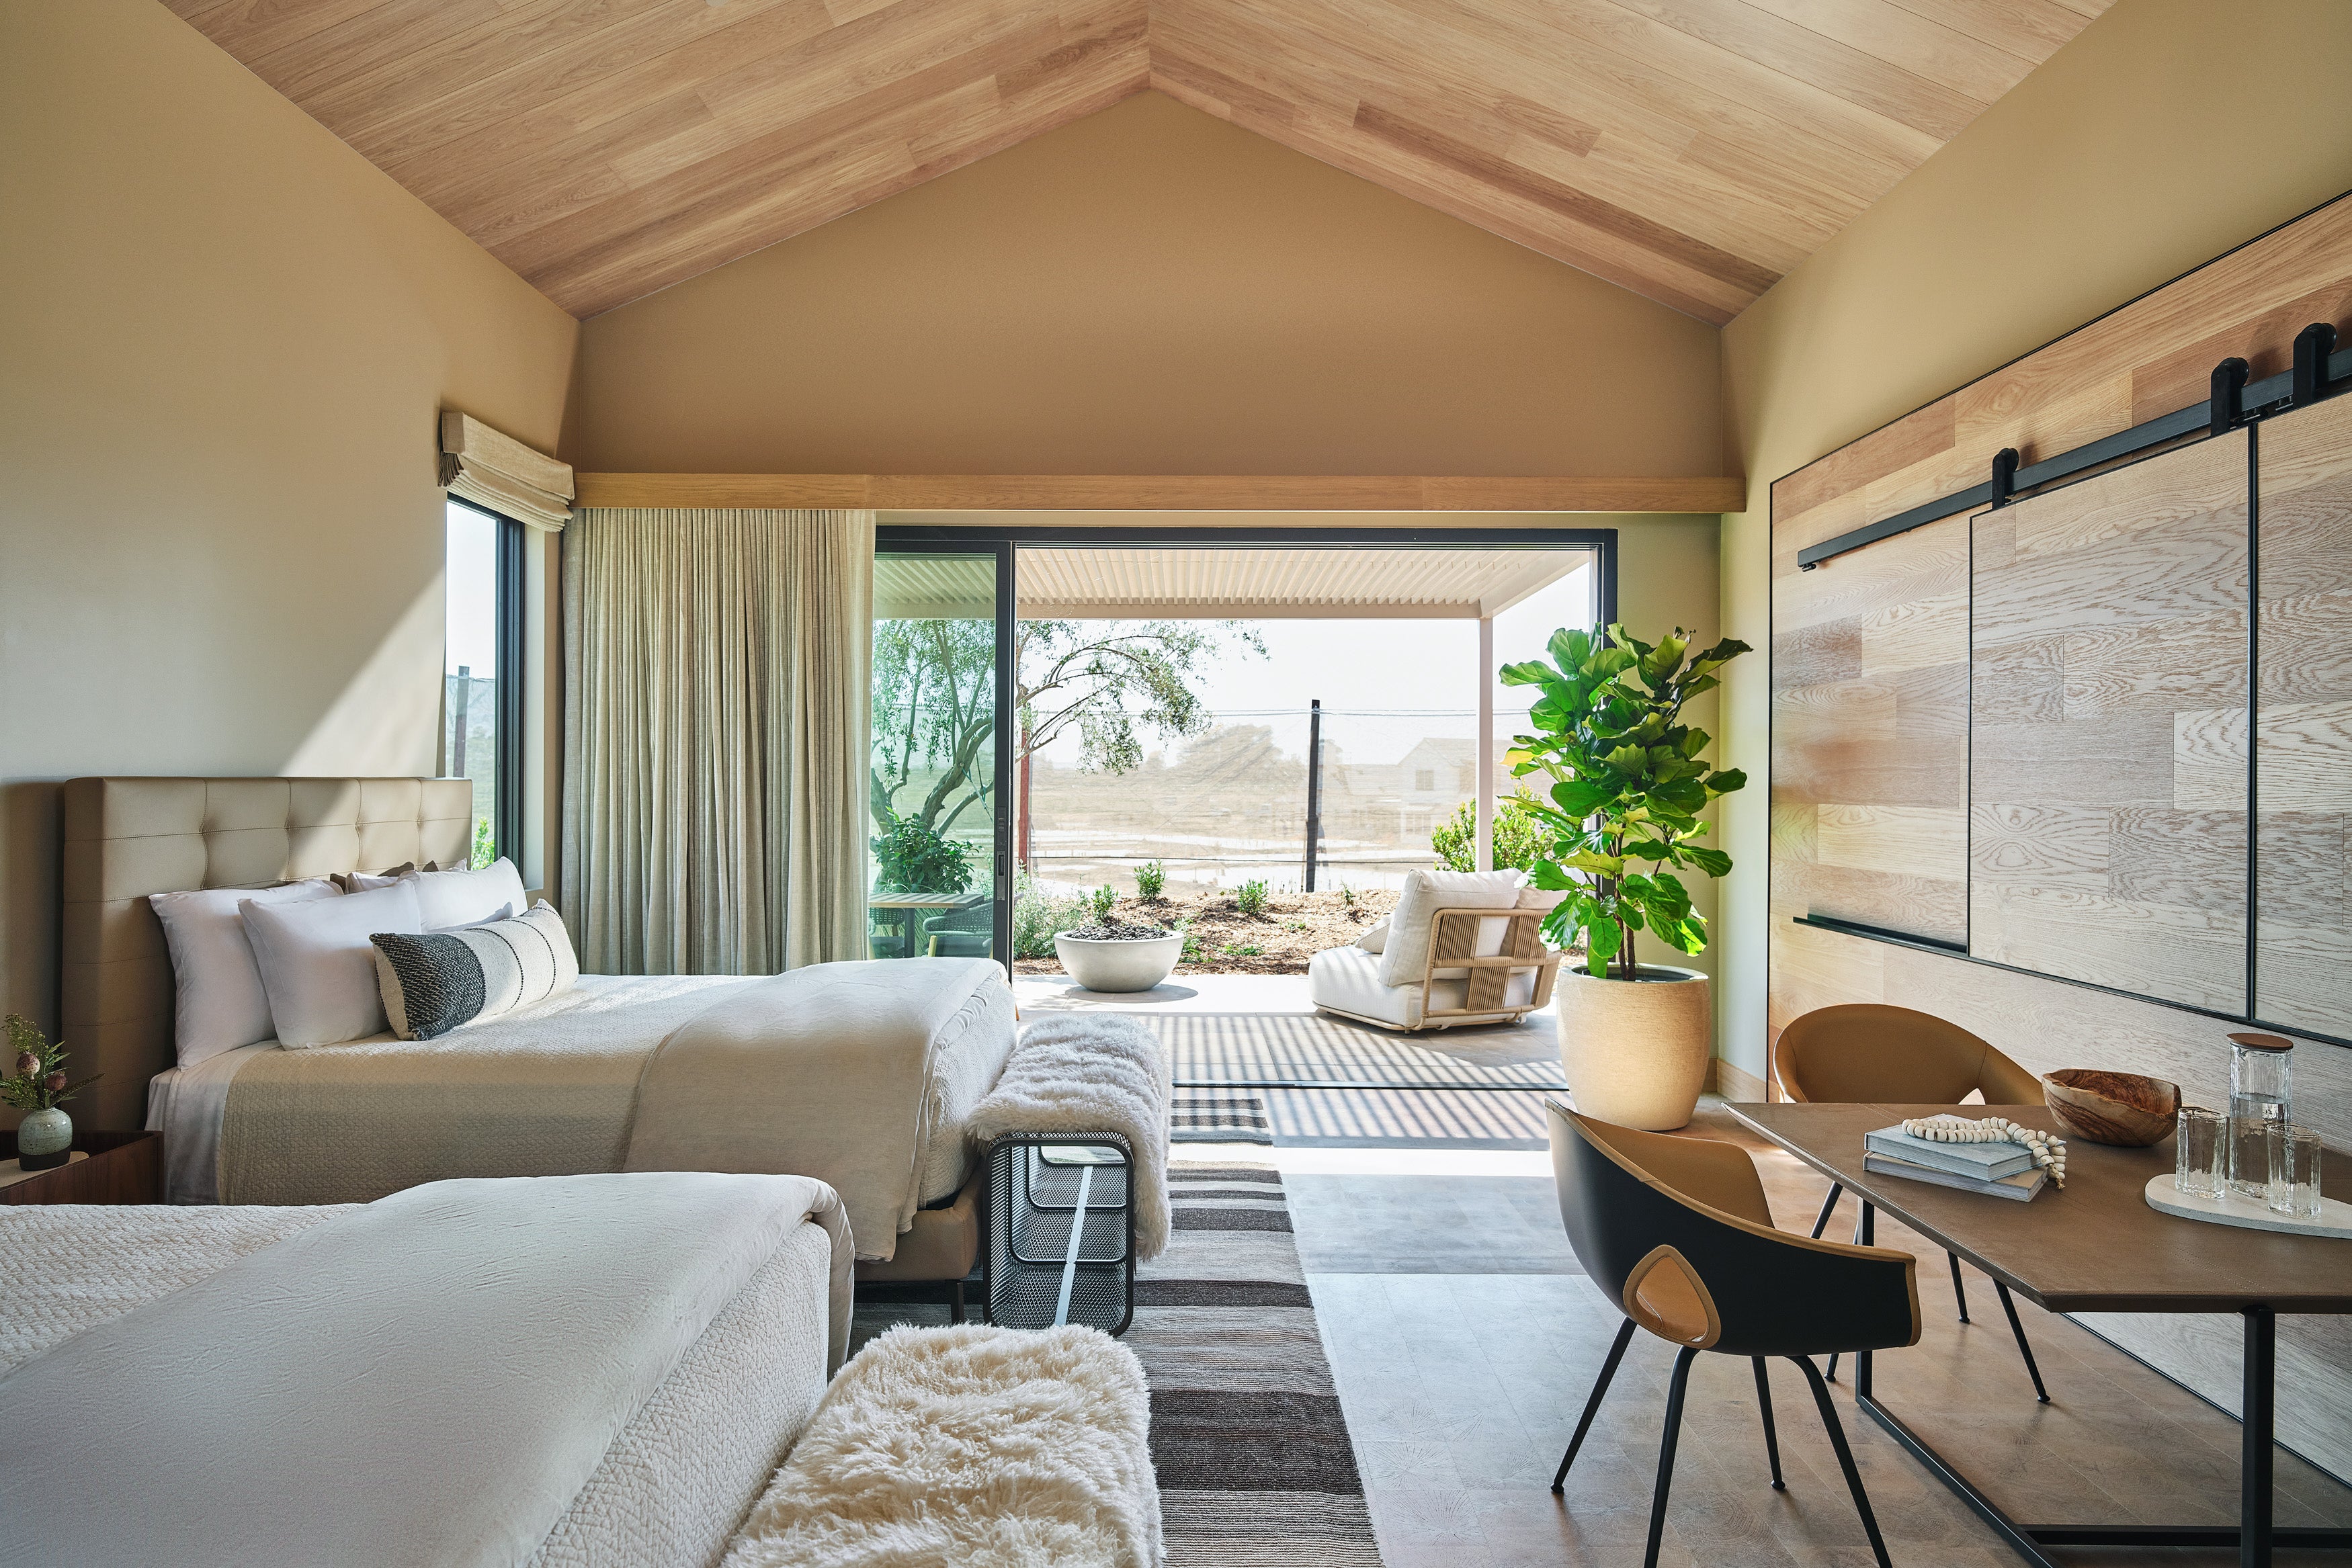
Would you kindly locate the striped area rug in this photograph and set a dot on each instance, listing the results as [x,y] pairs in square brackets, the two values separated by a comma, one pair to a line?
[1217,1116]
[1256,1469]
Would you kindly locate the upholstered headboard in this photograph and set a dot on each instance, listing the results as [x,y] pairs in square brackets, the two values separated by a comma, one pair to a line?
[126,838]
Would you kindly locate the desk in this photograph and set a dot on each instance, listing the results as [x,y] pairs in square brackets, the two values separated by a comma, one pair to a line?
[2095,1247]
[908,903]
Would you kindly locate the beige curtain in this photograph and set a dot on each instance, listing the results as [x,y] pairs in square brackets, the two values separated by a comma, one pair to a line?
[717,704]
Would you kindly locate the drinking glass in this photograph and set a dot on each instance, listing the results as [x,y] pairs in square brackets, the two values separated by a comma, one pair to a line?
[2196,1152]
[2294,1170]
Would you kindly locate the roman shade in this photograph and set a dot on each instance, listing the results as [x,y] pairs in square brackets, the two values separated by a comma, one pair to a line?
[481,465]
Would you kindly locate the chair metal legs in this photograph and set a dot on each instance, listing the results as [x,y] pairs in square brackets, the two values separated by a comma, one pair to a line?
[1592,1405]
[1771,1438]
[1674,1392]
[2023,1349]
[1845,1462]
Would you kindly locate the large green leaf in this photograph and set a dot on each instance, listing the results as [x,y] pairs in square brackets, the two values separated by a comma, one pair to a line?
[1580,797]
[1726,781]
[1714,862]
[1527,674]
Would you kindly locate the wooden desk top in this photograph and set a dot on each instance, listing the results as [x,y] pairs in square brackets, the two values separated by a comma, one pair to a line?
[2095,1247]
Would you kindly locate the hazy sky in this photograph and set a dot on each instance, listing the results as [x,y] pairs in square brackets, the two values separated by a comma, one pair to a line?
[1424,667]
[472,582]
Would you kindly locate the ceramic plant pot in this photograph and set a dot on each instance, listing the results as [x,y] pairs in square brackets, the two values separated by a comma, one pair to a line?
[44,1138]
[1128,965]
[1636,1052]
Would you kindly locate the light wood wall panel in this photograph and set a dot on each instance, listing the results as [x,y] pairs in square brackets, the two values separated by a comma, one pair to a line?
[2108,642]
[2150,356]
[2303,735]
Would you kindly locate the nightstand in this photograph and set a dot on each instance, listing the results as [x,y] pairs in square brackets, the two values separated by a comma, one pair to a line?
[123,1167]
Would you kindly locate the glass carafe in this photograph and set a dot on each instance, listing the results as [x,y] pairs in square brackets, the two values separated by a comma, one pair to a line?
[2259,1076]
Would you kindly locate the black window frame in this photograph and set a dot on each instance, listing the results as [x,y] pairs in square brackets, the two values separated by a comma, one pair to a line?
[508,715]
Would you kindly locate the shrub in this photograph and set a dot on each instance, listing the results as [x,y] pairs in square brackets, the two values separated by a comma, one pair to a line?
[1192,953]
[1347,895]
[1151,881]
[911,856]
[1237,950]
[1037,914]
[1520,835]
[1250,897]
[1102,901]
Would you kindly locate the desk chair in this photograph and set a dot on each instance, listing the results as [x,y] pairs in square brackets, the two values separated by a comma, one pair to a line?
[1867,1052]
[1676,1230]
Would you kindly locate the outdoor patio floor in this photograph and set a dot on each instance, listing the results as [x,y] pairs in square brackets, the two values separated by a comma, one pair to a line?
[1464,1338]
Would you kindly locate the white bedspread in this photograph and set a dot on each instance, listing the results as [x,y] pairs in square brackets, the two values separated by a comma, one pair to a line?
[833,1070]
[316,1416]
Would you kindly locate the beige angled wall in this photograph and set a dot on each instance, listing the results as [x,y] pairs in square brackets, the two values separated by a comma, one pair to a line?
[1148,291]
[223,339]
[2167,132]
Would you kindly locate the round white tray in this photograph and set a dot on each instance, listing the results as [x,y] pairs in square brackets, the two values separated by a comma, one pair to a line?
[2335,1217]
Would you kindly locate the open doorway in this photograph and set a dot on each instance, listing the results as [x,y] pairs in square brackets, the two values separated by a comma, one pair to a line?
[1257,730]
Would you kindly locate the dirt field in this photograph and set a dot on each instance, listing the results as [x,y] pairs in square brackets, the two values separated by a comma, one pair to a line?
[1294,927]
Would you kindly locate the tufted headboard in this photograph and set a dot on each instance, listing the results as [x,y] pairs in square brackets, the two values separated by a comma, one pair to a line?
[126,838]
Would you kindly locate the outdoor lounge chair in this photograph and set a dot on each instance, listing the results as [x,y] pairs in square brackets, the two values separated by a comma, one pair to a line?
[1484,966]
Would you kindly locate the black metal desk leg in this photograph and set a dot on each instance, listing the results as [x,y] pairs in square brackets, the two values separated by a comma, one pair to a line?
[1865,1234]
[2254,1467]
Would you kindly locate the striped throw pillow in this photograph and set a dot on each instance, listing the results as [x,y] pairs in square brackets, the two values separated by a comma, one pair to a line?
[435,982]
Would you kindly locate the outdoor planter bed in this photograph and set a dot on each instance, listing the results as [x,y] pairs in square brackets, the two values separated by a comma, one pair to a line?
[1113,956]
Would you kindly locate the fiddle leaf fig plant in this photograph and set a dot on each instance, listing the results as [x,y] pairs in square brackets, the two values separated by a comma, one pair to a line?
[1628,784]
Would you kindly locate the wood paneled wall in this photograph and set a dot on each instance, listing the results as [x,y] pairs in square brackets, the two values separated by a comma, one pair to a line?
[2108,763]
[2302,732]
[1871,705]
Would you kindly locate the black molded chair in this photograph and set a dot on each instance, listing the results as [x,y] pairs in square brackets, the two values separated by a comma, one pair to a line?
[1677,1232]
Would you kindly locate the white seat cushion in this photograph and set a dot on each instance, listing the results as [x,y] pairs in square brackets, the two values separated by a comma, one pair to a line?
[1347,979]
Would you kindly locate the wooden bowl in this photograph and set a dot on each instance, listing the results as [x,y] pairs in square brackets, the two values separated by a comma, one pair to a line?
[2119,1108]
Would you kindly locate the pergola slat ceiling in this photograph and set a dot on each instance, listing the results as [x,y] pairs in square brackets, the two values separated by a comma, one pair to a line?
[1141,583]
[1692,151]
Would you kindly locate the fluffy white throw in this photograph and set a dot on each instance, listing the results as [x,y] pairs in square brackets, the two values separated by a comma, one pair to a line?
[985,1447]
[1091,1072]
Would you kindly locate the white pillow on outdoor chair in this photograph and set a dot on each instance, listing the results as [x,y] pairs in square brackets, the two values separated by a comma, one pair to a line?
[1405,954]
[1376,938]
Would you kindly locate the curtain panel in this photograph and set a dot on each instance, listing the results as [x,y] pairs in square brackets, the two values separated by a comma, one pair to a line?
[717,705]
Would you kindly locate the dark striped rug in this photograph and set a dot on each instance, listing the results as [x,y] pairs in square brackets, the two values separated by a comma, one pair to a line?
[1217,1116]
[1254,1461]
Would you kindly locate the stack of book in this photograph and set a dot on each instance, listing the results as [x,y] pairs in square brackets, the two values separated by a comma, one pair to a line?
[2005,1170]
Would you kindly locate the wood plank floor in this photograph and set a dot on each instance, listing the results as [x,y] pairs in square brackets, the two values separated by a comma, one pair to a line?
[1461,1385]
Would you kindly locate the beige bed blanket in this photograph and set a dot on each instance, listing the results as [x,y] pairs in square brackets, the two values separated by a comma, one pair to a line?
[547,1091]
[435,1378]
[863,1102]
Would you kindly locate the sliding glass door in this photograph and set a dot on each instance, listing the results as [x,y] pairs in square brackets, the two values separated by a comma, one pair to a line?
[939,872]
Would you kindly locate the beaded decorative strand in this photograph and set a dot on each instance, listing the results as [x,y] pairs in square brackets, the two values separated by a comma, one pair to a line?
[2048,1149]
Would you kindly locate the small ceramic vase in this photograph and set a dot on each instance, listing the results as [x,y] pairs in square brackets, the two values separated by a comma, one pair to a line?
[44,1139]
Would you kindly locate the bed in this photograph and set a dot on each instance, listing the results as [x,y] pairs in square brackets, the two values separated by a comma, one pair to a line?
[858,1074]
[600,1369]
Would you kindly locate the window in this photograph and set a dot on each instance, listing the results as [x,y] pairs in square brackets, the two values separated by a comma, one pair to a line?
[1424,781]
[481,712]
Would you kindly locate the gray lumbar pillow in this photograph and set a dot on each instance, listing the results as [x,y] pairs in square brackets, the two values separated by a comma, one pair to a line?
[434,982]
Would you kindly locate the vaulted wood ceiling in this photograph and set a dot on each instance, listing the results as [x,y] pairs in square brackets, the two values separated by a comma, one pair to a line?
[1693,151]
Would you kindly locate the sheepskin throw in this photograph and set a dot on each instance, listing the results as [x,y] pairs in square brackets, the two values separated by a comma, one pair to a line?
[1091,1072]
[985,1447]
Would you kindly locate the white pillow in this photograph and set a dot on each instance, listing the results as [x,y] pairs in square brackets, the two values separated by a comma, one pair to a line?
[448,899]
[318,965]
[1373,940]
[220,1001]
[1406,953]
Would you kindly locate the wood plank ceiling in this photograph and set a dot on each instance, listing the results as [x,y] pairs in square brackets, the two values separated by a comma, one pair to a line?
[1692,151]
